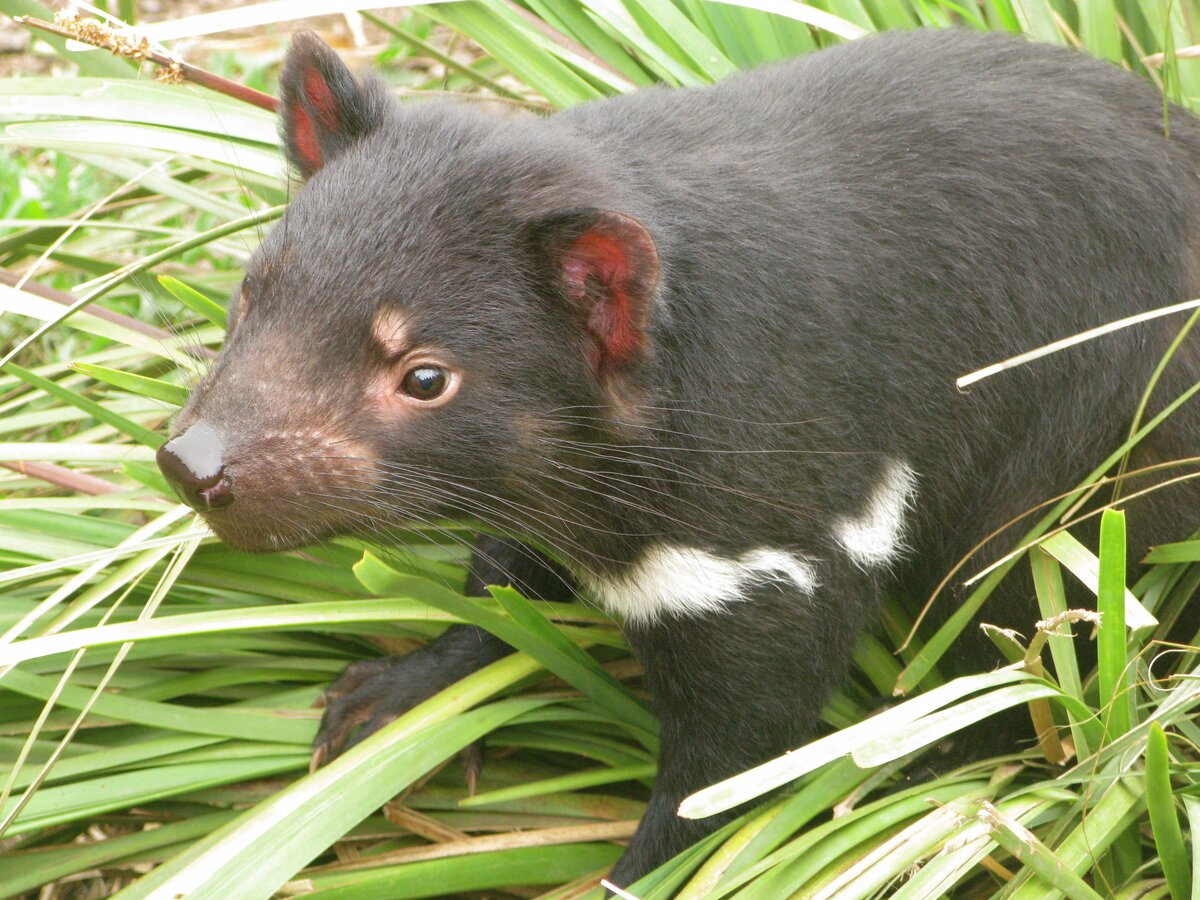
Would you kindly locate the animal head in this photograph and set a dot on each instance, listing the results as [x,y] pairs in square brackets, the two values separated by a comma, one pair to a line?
[453,299]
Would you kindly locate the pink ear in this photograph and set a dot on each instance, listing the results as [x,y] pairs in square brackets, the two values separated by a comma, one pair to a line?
[303,144]
[610,270]
[323,109]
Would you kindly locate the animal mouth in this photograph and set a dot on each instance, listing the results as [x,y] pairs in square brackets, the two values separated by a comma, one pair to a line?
[285,517]
[245,534]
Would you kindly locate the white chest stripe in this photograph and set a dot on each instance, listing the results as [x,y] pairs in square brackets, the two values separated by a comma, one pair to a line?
[687,581]
[876,537]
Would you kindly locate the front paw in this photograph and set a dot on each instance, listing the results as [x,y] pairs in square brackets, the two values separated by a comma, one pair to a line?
[371,693]
[365,697]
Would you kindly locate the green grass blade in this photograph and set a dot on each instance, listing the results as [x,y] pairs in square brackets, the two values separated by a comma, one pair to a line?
[1025,847]
[287,725]
[1111,648]
[585,673]
[1160,802]
[143,386]
[75,802]
[464,876]
[1181,552]
[1052,601]
[563,783]
[1191,806]
[1098,28]
[96,410]
[194,300]
[223,621]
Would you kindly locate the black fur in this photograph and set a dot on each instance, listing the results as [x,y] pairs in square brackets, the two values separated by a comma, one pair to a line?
[838,238]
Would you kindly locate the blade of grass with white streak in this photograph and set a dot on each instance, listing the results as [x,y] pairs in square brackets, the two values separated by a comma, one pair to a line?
[668,25]
[1087,567]
[891,724]
[811,858]
[890,860]
[1115,811]
[183,107]
[959,856]
[259,851]
[523,50]
[1025,847]
[803,12]
[932,728]
[1081,337]
[135,140]
[253,618]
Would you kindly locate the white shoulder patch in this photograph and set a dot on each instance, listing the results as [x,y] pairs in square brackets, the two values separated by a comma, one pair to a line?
[684,581]
[876,537]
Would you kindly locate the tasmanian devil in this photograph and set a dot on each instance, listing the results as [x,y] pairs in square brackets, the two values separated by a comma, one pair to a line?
[702,345]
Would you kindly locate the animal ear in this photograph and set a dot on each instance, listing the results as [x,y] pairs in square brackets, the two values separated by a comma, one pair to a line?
[606,268]
[323,108]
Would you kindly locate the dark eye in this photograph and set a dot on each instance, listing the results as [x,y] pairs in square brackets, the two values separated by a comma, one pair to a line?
[425,382]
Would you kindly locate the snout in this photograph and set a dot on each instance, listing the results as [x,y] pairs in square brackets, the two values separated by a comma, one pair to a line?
[292,486]
[193,464]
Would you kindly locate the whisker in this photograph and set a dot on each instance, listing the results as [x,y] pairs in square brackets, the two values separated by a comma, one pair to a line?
[453,499]
[375,523]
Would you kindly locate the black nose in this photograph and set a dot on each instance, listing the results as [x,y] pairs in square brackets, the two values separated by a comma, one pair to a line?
[192,463]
